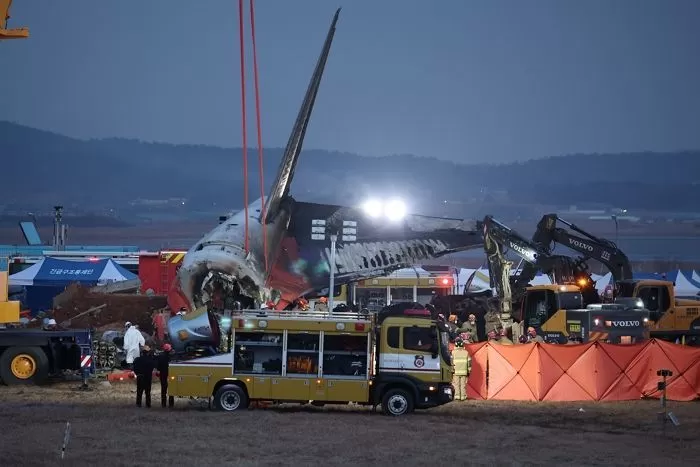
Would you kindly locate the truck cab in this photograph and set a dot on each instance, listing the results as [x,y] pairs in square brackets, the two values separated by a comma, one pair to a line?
[399,360]
[670,317]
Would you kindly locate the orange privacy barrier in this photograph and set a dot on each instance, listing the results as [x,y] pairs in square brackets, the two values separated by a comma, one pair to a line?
[587,372]
[476,381]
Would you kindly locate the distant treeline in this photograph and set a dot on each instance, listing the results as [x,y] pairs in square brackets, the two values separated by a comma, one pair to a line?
[46,168]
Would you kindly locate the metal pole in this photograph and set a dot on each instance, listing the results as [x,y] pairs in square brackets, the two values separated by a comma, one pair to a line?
[331,286]
[614,218]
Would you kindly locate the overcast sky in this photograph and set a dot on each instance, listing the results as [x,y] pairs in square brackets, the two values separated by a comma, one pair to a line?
[470,81]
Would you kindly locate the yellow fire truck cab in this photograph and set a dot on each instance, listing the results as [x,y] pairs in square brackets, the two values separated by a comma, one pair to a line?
[399,360]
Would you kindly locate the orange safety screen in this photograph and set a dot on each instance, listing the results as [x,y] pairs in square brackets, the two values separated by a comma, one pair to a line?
[587,372]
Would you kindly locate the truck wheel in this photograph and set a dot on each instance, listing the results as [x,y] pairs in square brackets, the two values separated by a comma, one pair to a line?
[24,365]
[397,402]
[230,398]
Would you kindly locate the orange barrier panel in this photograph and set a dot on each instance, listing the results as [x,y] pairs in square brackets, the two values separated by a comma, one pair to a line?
[586,372]
[476,381]
[683,361]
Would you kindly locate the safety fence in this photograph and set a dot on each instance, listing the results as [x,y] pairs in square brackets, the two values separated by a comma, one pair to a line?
[584,372]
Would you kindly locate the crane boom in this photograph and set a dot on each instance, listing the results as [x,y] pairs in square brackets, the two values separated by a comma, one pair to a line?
[10,33]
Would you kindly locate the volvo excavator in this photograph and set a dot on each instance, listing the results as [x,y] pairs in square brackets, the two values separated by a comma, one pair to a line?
[10,33]
[572,286]
[566,311]
[672,319]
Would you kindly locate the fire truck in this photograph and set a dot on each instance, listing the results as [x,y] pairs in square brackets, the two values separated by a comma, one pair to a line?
[158,270]
[399,359]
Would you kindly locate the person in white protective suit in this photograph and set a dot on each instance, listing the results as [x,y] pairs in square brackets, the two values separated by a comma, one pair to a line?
[133,341]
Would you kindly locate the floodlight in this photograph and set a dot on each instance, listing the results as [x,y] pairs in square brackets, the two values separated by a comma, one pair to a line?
[373,208]
[395,210]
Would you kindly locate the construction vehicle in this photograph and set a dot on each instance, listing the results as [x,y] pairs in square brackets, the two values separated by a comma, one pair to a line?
[513,290]
[606,252]
[671,318]
[31,356]
[9,33]
[557,311]
[399,359]
[554,311]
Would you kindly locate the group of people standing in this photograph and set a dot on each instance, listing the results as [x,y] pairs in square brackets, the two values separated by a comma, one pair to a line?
[467,333]
[143,361]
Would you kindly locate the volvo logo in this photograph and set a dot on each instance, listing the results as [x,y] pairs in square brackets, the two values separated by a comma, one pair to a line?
[580,244]
[523,251]
[626,324]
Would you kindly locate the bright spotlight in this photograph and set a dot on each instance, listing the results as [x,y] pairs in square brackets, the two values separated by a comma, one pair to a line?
[373,208]
[395,210]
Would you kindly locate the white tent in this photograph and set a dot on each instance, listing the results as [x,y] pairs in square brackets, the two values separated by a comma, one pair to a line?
[696,277]
[684,287]
[602,282]
[541,279]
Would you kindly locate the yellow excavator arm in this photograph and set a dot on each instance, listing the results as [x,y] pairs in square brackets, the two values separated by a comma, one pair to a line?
[5,32]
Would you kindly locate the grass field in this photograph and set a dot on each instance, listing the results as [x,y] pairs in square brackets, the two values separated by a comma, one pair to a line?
[107,429]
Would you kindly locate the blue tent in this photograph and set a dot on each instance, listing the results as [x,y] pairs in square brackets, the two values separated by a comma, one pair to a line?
[50,276]
[60,273]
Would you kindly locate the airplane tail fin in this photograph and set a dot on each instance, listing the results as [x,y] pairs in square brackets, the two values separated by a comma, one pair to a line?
[285,174]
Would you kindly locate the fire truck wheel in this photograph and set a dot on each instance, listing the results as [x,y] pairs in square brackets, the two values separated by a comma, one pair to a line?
[230,398]
[397,402]
[23,365]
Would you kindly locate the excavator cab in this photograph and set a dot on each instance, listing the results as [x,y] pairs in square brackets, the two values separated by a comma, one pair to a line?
[656,296]
[544,307]
[5,32]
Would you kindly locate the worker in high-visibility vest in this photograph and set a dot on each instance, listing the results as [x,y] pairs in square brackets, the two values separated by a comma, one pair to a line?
[460,361]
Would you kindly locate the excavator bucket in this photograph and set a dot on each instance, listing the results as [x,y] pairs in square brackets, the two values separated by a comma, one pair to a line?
[5,32]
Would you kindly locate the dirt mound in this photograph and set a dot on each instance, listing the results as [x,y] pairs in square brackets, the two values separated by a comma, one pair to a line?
[73,304]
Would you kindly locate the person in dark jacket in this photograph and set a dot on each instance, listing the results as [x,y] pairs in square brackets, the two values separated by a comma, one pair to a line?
[143,368]
[163,363]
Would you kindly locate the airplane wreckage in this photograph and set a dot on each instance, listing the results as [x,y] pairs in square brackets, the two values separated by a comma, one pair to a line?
[292,237]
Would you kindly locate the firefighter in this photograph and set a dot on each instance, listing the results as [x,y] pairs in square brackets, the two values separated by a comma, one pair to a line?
[492,336]
[503,339]
[460,359]
[322,304]
[301,304]
[144,365]
[452,326]
[163,364]
[470,327]
[532,335]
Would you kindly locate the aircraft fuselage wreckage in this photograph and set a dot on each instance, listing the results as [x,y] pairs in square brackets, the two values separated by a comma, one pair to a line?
[298,238]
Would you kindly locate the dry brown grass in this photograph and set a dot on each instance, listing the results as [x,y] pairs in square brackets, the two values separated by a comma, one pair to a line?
[108,429]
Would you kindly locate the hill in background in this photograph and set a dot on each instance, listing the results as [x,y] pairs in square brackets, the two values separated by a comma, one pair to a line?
[118,175]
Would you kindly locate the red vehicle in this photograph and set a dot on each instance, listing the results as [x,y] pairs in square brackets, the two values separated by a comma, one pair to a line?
[157,271]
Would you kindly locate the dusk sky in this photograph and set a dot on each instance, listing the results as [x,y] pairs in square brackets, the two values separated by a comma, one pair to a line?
[469,81]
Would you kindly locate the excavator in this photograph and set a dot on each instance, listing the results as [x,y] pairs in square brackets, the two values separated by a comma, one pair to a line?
[9,33]
[566,311]
[671,319]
